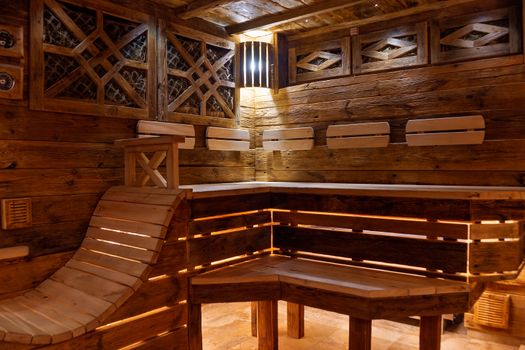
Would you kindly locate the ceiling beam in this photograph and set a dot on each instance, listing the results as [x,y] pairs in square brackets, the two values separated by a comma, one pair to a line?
[198,7]
[291,15]
[385,17]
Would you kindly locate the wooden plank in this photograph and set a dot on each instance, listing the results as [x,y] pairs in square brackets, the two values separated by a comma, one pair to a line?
[227,145]
[358,142]
[226,133]
[194,326]
[154,214]
[220,224]
[142,242]
[14,252]
[108,274]
[163,128]
[442,255]
[141,228]
[267,326]
[125,252]
[360,129]
[217,247]
[488,231]
[288,134]
[486,257]
[98,287]
[198,7]
[117,194]
[130,267]
[360,334]
[446,138]
[175,340]
[414,227]
[290,15]
[288,145]
[473,122]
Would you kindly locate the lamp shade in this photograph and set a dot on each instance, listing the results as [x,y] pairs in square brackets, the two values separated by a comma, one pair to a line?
[256,59]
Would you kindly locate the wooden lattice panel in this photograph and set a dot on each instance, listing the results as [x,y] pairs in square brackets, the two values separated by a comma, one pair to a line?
[491,33]
[199,76]
[394,48]
[492,310]
[92,60]
[319,60]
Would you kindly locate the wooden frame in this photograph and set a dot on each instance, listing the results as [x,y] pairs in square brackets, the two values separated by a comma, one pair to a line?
[319,60]
[11,82]
[197,75]
[16,47]
[92,60]
[388,49]
[458,38]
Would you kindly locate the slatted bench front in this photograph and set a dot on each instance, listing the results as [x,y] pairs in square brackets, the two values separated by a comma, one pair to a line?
[462,237]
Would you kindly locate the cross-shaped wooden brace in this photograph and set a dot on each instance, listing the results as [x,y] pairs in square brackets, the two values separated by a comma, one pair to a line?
[163,148]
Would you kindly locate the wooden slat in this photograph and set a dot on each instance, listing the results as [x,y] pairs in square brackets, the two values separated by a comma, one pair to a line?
[228,134]
[227,145]
[487,231]
[154,214]
[442,255]
[360,129]
[125,252]
[14,252]
[141,242]
[118,195]
[446,138]
[130,267]
[288,145]
[220,224]
[358,142]
[487,257]
[288,134]
[423,228]
[474,122]
[150,127]
[142,228]
[98,287]
[217,247]
[109,274]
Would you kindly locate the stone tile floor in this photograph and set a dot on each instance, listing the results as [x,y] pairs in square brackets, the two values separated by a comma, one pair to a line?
[227,327]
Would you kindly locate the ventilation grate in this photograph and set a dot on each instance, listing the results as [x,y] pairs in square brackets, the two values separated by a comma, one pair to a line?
[16,213]
[492,310]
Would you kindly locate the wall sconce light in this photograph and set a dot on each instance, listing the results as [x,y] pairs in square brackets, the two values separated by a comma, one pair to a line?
[256,64]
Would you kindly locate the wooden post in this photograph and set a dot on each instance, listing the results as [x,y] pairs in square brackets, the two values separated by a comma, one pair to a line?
[267,325]
[359,334]
[172,165]
[295,320]
[130,167]
[430,333]
[254,318]
[194,326]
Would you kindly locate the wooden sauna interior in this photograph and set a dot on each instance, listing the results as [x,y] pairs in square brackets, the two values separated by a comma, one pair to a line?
[292,130]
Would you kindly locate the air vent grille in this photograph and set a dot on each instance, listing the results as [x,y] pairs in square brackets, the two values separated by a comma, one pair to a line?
[492,310]
[16,213]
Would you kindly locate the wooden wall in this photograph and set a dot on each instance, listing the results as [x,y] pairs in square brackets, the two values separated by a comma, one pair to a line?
[493,87]
[64,162]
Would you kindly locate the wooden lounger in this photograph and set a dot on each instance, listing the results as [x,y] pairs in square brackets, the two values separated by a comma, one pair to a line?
[124,238]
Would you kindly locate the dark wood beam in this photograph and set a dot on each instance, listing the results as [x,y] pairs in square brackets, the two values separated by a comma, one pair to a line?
[198,7]
[385,17]
[291,15]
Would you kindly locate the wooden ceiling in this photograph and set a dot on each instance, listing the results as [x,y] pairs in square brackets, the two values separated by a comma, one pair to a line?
[288,16]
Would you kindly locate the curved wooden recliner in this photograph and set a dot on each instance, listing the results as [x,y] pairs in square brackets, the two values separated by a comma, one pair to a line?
[125,235]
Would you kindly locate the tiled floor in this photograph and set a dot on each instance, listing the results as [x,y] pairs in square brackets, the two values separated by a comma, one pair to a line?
[227,327]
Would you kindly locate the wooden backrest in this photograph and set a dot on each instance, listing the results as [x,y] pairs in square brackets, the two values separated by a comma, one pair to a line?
[362,135]
[469,130]
[225,139]
[292,139]
[150,128]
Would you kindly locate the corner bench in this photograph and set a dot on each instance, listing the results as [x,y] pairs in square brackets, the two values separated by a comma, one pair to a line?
[364,294]
[368,251]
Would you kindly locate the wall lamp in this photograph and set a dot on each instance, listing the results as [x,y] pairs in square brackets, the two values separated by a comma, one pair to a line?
[256,59]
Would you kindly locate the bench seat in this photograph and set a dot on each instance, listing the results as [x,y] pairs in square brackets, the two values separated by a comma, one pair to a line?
[361,292]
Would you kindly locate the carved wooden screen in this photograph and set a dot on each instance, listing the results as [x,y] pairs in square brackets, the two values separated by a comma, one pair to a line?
[491,33]
[319,61]
[395,48]
[92,60]
[198,77]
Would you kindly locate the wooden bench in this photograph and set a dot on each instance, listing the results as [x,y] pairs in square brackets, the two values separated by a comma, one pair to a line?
[356,249]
